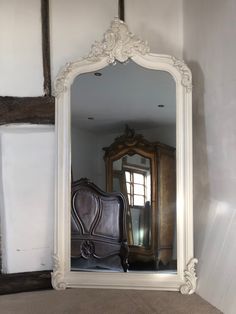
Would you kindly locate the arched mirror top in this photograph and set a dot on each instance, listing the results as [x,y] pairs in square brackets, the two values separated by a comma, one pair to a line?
[120,45]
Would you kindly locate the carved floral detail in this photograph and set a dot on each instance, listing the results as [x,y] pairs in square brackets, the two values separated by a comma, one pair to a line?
[118,44]
[57,281]
[87,249]
[190,278]
[185,72]
[59,86]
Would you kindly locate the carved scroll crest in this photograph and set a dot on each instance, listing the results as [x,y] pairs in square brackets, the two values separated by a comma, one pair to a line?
[118,44]
[190,278]
[57,281]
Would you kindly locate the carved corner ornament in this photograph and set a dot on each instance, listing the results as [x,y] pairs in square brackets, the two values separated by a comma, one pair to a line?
[118,44]
[59,86]
[57,281]
[185,72]
[190,278]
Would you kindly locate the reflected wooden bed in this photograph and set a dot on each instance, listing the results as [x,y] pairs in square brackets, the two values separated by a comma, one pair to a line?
[98,229]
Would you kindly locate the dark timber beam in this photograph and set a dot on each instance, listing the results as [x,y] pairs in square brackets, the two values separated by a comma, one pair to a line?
[38,110]
[23,282]
[122,10]
[46,47]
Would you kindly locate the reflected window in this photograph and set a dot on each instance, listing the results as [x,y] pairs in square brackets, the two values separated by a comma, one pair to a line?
[136,187]
[138,193]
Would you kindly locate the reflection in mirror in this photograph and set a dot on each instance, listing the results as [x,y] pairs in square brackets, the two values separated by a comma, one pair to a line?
[132,177]
[145,173]
[139,167]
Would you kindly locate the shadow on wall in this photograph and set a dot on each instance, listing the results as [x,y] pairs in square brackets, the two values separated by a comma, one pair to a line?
[158,42]
[201,188]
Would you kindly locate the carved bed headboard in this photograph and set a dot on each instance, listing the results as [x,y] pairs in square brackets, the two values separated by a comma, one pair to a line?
[98,229]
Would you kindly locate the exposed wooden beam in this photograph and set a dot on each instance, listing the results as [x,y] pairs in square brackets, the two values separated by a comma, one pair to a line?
[23,282]
[46,47]
[39,110]
[122,10]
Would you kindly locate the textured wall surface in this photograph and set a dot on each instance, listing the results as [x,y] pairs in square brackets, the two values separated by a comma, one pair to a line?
[160,22]
[210,49]
[27,167]
[21,72]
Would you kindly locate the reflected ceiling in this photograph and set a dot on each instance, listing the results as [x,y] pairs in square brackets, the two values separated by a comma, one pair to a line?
[123,94]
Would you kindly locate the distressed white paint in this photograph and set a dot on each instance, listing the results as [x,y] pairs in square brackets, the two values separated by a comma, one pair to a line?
[114,47]
[27,168]
[21,72]
[210,50]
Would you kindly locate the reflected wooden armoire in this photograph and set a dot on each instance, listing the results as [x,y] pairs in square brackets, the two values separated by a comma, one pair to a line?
[145,172]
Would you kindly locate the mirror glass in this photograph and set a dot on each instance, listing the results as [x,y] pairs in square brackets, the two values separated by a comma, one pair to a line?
[103,102]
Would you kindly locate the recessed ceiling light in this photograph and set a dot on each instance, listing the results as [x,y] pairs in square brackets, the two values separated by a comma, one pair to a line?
[161,106]
[98,74]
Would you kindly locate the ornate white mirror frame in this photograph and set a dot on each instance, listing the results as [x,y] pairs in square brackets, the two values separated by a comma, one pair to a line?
[120,45]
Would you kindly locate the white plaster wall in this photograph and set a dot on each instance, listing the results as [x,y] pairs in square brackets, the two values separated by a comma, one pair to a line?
[21,72]
[160,22]
[210,49]
[83,154]
[27,197]
[75,25]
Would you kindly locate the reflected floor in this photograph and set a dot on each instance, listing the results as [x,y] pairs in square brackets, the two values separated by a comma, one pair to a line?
[151,266]
[144,267]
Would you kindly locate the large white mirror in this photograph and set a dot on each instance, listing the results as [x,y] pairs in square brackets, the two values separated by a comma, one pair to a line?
[123,215]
